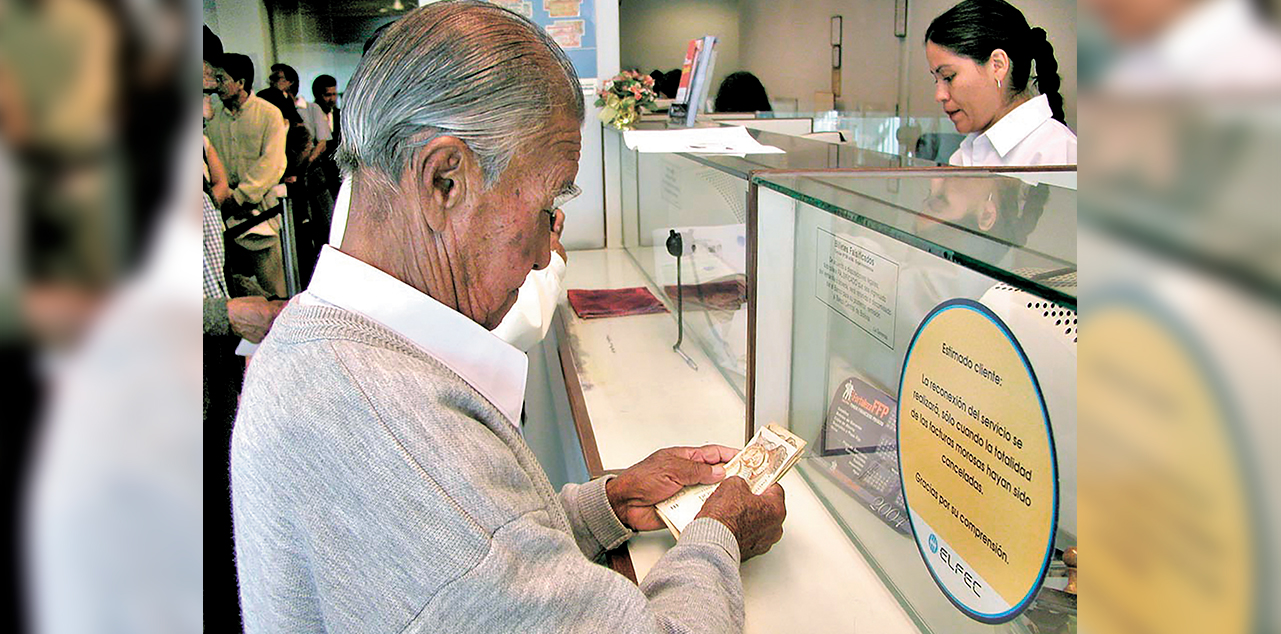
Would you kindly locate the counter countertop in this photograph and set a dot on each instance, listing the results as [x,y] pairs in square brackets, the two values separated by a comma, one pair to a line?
[642,397]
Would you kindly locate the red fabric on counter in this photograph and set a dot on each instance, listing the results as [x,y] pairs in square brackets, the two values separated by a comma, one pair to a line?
[591,303]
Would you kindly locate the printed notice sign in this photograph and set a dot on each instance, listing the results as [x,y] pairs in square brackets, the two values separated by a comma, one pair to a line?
[858,449]
[1152,394]
[567,33]
[858,284]
[563,8]
[577,37]
[977,460]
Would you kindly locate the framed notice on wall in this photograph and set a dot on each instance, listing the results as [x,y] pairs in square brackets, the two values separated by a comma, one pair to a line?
[571,23]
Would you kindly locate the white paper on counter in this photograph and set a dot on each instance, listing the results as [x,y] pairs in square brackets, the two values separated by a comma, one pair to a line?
[244,348]
[722,140]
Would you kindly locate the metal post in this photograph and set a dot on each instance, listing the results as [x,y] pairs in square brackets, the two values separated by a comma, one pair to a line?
[289,248]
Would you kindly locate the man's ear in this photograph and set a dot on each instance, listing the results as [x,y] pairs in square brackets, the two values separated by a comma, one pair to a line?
[999,63]
[442,172]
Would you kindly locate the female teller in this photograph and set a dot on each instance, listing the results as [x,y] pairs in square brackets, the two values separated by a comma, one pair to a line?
[980,54]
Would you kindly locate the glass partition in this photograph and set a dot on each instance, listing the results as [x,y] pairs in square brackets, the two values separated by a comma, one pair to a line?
[703,199]
[917,328]
[928,138]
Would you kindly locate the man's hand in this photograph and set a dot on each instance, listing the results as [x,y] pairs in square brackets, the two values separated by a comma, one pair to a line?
[230,208]
[755,520]
[558,226]
[635,491]
[251,317]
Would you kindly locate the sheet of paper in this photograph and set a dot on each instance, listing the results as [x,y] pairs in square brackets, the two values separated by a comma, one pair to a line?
[772,451]
[720,140]
[244,348]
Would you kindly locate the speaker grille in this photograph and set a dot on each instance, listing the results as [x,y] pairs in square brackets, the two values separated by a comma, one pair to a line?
[1062,319]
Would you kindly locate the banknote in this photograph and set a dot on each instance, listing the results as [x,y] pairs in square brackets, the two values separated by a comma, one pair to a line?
[772,451]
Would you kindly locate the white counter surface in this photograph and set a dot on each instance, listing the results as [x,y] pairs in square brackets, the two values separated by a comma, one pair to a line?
[642,396]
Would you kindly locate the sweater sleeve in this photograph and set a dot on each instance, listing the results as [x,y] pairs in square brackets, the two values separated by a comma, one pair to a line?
[596,528]
[533,579]
[377,494]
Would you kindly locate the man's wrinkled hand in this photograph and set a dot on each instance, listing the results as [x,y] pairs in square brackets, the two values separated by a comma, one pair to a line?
[755,520]
[251,317]
[635,491]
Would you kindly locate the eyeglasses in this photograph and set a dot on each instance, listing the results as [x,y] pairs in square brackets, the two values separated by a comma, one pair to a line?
[561,199]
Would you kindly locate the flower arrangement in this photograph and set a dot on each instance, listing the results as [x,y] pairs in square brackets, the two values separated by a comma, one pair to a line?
[623,98]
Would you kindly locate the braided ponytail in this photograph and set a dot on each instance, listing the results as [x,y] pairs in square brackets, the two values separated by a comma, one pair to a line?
[1047,71]
[976,28]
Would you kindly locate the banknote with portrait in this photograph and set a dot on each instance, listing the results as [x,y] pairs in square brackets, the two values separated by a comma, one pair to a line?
[772,451]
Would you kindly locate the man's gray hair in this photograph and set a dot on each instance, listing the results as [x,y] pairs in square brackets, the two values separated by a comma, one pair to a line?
[470,70]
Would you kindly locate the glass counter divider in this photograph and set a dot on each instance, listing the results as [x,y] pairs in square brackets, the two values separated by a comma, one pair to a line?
[693,194]
[800,153]
[758,178]
[764,179]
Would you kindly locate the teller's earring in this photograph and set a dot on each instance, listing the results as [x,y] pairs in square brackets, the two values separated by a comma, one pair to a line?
[998,84]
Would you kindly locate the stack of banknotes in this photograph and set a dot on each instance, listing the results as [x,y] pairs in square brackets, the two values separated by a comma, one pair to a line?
[772,451]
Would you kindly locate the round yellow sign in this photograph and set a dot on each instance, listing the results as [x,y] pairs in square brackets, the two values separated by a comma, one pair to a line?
[1168,496]
[977,460]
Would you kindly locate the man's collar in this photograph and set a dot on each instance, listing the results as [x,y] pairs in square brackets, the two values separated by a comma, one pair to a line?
[491,366]
[1018,123]
[240,105]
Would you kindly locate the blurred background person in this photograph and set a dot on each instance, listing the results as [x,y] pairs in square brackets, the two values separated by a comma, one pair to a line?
[742,92]
[249,135]
[110,519]
[227,320]
[281,91]
[313,202]
[1179,46]
[665,84]
[324,90]
[981,53]
[64,215]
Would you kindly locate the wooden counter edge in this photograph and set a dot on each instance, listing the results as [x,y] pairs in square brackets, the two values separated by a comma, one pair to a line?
[619,559]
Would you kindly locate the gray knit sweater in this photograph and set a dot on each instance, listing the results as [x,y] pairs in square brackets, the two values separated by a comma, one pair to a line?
[375,491]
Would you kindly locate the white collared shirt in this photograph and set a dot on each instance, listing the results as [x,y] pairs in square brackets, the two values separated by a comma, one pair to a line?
[488,364]
[528,320]
[1026,135]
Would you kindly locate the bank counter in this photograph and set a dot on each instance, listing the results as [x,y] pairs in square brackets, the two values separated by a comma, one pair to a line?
[914,324]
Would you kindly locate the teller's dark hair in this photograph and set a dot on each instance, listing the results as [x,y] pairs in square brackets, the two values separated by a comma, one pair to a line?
[976,28]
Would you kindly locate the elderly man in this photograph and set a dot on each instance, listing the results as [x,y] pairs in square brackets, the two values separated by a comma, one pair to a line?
[379,480]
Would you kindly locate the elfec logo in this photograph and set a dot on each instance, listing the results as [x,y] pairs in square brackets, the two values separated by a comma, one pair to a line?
[934,543]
